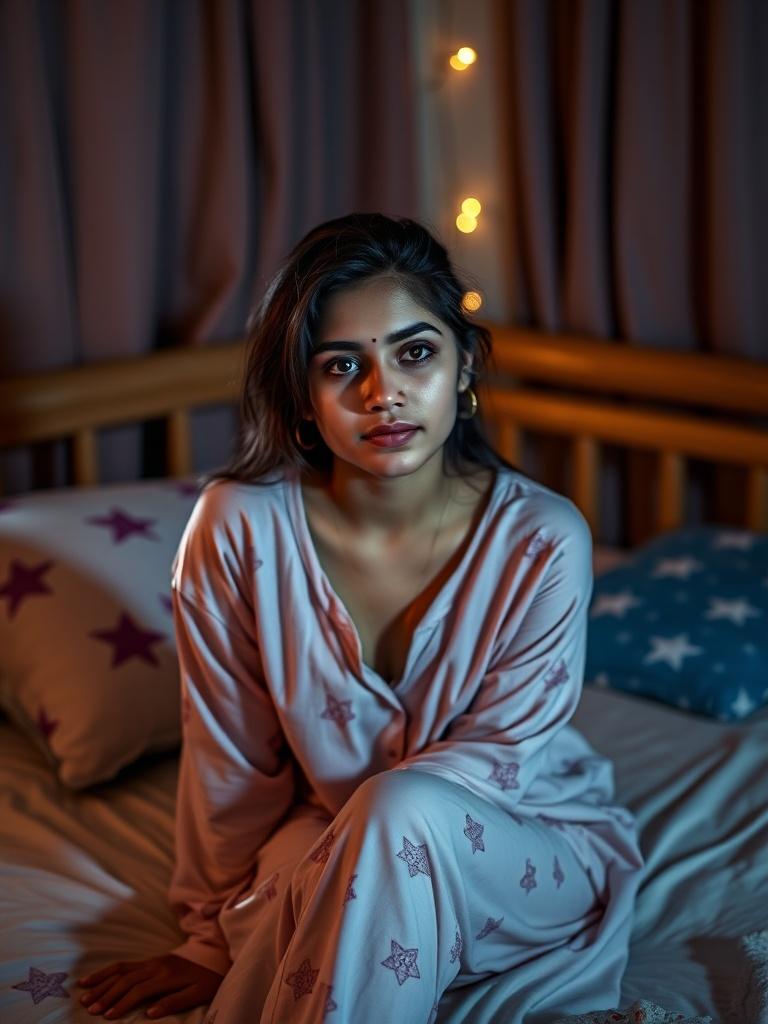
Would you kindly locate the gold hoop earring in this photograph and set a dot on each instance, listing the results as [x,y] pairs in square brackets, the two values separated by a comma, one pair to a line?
[299,442]
[473,405]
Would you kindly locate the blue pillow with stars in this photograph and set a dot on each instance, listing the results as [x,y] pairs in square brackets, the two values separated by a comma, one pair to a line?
[685,621]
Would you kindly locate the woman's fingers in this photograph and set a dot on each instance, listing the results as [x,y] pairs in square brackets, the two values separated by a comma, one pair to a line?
[121,967]
[141,992]
[187,999]
[103,996]
[180,984]
[98,976]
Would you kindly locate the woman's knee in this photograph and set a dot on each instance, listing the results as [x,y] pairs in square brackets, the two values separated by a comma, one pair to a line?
[392,794]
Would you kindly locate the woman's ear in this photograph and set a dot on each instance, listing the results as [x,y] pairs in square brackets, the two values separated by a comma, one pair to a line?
[465,376]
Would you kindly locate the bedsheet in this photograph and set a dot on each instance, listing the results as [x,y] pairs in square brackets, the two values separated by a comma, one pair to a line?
[83,879]
[700,790]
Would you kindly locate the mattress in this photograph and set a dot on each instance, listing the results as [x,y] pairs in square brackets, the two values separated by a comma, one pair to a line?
[83,876]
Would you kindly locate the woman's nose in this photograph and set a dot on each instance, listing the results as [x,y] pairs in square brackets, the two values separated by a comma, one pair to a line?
[380,389]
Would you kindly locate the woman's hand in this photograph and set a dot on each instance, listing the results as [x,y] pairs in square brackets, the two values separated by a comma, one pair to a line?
[179,984]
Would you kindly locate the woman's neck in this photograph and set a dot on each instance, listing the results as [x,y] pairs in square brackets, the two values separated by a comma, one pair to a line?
[376,511]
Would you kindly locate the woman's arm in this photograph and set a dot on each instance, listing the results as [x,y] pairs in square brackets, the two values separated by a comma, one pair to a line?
[234,785]
[235,782]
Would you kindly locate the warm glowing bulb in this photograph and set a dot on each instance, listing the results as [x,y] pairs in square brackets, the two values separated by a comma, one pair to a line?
[471,207]
[465,223]
[466,55]
[456,63]
[471,302]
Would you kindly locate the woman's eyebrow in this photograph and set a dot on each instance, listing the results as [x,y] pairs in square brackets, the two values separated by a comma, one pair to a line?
[390,339]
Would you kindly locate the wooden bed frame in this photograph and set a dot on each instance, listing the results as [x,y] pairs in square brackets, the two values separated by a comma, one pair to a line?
[593,393]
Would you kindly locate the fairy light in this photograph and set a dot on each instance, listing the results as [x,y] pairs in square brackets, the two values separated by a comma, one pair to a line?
[466,221]
[463,57]
[471,302]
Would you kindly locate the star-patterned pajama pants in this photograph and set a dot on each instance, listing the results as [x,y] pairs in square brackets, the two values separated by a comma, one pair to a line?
[417,886]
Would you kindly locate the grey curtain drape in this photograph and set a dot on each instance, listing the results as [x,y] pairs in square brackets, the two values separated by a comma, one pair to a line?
[158,158]
[640,154]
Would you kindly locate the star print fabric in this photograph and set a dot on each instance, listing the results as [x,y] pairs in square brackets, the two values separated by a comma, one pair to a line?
[41,985]
[684,620]
[478,725]
[87,657]
[420,925]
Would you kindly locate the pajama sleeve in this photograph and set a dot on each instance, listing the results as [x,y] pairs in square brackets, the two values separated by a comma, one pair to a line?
[234,785]
[497,745]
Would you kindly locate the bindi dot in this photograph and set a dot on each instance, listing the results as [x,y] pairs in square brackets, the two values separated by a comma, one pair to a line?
[373,340]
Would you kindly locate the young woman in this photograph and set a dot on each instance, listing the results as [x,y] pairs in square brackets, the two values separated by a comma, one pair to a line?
[383,814]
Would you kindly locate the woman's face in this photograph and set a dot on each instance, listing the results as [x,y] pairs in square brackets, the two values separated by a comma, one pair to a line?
[360,379]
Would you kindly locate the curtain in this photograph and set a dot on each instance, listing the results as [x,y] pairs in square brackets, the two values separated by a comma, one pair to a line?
[159,158]
[639,142]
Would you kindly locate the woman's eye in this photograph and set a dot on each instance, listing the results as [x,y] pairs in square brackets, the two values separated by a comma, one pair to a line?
[334,362]
[340,360]
[430,352]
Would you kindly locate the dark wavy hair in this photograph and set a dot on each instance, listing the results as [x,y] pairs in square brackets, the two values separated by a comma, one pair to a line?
[335,255]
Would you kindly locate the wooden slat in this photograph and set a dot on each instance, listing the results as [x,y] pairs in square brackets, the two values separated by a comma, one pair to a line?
[509,440]
[757,499]
[585,492]
[633,428]
[85,458]
[670,500]
[178,445]
[694,378]
[39,407]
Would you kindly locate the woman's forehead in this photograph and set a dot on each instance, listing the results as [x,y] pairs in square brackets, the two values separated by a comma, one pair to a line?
[371,309]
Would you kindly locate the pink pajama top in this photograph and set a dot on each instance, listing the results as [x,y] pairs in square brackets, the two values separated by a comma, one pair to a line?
[278,706]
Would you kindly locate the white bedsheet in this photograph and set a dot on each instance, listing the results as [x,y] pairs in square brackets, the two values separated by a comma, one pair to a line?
[82,877]
[700,790]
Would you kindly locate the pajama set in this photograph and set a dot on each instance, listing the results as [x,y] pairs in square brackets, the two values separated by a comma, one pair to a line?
[444,848]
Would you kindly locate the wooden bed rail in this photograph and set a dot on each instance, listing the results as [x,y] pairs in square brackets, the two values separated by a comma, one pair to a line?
[717,401]
[724,385]
[77,403]
[598,366]
[673,437]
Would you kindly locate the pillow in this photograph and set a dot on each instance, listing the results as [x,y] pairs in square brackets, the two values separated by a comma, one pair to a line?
[685,621]
[87,655]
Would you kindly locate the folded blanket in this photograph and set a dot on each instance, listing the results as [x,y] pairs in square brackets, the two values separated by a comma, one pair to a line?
[640,1012]
[750,997]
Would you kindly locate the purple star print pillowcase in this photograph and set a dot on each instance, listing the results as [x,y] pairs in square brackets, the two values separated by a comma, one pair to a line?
[685,621]
[87,656]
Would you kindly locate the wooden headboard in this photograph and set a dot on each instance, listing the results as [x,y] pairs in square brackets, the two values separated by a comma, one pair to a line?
[675,406]
[592,393]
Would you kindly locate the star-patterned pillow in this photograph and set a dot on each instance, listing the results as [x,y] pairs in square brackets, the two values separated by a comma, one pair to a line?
[87,656]
[685,621]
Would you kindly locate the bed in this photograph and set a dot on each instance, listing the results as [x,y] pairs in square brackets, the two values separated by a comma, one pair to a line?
[88,767]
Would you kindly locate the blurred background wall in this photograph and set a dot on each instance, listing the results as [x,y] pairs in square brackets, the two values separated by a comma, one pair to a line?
[158,158]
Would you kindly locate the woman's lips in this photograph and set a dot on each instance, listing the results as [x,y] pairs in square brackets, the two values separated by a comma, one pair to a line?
[392,440]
